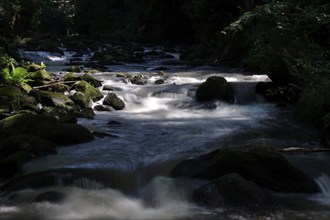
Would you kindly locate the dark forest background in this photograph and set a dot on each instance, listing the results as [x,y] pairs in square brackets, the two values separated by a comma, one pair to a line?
[286,39]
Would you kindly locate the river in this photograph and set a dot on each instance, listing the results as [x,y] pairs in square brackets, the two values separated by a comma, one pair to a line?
[125,174]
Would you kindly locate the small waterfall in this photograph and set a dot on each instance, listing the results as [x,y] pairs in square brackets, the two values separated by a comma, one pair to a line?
[324,183]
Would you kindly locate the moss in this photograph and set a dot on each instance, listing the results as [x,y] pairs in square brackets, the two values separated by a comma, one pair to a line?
[10,91]
[33,67]
[88,90]
[91,80]
[41,74]
[70,77]
[74,69]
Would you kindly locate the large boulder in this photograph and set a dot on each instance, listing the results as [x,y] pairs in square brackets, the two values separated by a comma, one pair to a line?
[215,88]
[230,190]
[45,127]
[114,101]
[258,163]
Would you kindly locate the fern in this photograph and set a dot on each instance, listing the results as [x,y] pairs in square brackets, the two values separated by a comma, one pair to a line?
[12,75]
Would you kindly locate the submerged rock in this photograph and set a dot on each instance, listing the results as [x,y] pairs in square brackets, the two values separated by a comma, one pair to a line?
[258,163]
[114,101]
[215,87]
[50,196]
[229,190]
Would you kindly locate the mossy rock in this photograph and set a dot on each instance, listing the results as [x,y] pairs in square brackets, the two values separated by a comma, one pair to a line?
[230,190]
[10,91]
[40,75]
[70,77]
[60,88]
[45,127]
[33,67]
[258,163]
[74,69]
[50,98]
[91,80]
[114,101]
[82,100]
[215,88]
[86,93]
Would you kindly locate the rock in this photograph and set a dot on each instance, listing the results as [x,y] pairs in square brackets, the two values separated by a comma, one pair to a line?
[50,98]
[85,94]
[59,88]
[91,80]
[229,190]
[70,77]
[112,100]
[40,75]
[45,127]
[85,113]
[114,123]
[73,69]
[10,91]
[107,88]
[17,149]
[34,146]
[82,100]
[258,163]
[33,67]
[138,80]
[159,81]
[215,88]
[103,108]
[50,196]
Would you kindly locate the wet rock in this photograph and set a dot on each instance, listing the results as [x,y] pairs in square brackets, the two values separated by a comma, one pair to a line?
[100,134]
[45,127]
[50,196]
[114,101]
[107,88]
[258,163]
[103,108]
[159,81]
[113,123]
[230,190]
[138,80]
[215,88]
[85,113]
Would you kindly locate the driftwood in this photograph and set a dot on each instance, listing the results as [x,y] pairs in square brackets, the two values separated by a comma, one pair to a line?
[303,149]
[54,83]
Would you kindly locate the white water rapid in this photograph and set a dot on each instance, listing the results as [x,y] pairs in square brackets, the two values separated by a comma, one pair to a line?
[125,175]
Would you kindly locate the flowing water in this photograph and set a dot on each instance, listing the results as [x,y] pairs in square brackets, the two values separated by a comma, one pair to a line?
[125,174]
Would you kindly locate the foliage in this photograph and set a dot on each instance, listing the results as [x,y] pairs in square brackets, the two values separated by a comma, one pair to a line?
[12,75]
[289,41]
